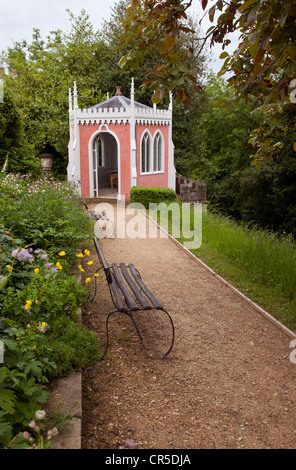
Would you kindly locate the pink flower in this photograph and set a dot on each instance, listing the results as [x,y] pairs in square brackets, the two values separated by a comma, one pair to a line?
[129,443]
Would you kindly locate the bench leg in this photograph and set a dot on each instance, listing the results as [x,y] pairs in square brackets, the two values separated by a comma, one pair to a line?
[95,293]
[139,334]
[107,332]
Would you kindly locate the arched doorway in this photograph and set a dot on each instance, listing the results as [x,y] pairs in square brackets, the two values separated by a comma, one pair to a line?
[104,168]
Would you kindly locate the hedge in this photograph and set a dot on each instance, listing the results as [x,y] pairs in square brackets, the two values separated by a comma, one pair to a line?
[148,196]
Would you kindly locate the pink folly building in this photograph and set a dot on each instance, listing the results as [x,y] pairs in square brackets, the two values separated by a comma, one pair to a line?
[118,144]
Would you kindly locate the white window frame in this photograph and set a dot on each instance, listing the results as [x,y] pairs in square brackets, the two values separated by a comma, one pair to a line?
[158,153]
[149,166]
[147,155]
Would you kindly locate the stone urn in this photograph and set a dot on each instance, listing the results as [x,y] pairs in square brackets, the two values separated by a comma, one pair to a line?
[46,161]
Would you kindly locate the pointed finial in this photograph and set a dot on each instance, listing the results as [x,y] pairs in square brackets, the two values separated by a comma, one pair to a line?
[132,92]
[75,96]
[171,101]
[70,99]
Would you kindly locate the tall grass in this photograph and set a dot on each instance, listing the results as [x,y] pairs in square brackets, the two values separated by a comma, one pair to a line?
[265,255]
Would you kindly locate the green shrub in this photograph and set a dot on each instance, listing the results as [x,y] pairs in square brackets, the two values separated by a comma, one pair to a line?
[44,213]
[16,154]
[148,196]
[72,345]
[41,224]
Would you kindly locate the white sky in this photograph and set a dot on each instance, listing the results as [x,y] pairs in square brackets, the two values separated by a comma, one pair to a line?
[19,17]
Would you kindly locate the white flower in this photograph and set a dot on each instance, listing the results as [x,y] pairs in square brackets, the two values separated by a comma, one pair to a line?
[40,414]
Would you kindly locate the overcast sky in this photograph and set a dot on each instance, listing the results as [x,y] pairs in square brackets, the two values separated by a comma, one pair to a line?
[19,17]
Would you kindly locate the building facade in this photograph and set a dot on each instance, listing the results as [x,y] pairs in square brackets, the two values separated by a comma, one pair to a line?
[118,144]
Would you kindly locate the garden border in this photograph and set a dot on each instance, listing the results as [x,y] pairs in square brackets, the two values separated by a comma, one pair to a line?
[69,390]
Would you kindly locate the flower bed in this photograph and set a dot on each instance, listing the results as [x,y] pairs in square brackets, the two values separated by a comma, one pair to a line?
[41,225]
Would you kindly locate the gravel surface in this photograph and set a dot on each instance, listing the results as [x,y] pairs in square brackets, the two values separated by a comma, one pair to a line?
[228,382]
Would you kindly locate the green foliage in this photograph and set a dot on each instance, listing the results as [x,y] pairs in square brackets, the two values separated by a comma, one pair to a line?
[42,73]
[164,44]
[269,257]
[264,63]
[15,152]
[50,218]
[148,196]
[73,346]
[25,368]
[39,299]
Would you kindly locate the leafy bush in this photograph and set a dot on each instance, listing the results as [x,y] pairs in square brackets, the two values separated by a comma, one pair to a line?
[41,224]
[148,196]
[47,214]
[14,149]
[21,393]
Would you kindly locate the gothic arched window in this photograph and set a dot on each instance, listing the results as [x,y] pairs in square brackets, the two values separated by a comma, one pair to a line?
[158,152]
[146,157]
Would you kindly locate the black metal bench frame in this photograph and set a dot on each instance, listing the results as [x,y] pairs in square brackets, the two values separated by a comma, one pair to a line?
[119,276]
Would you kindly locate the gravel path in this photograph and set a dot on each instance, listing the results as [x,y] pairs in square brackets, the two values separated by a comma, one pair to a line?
[228,382]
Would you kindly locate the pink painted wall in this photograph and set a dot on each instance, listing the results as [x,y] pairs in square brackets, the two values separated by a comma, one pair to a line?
[122,132]
[155,180]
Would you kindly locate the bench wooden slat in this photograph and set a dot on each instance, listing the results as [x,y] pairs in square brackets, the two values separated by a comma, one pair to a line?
[126,293]
[126,289]
[140,297]
[144,288]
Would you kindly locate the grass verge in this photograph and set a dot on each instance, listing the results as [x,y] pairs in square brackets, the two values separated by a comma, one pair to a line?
[261,264]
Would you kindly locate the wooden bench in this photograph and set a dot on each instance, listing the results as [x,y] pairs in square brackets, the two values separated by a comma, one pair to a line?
[129,295]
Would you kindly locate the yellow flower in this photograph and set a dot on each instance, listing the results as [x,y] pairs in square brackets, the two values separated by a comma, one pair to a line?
[81,268]
[58,265]
[87,252]
[9,267]
[96,274]
[87,280]
[36,271]
[90,262]
[28,304]
[36,301]
[79,255]
[62,253]
[42,326]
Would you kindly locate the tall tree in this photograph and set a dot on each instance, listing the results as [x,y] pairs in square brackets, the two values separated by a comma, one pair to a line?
[158,34]
[41,74]
[263,64]
[15,152]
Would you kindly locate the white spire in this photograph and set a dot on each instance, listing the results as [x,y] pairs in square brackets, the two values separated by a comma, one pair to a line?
[171,101]
[75,96]
[132,93]
[70,99]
